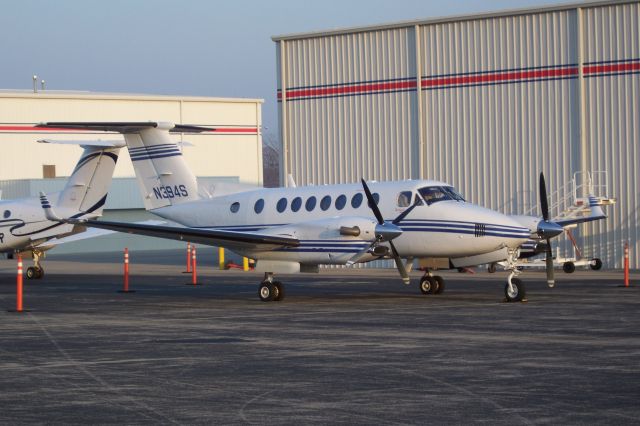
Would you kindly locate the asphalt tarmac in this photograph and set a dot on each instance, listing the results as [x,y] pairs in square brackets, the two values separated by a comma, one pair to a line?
[344,347]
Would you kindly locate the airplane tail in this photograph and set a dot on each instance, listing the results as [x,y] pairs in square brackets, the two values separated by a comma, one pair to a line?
[162,173]
[87,187]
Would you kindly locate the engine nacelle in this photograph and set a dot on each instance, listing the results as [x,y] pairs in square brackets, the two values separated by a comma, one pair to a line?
[336,228]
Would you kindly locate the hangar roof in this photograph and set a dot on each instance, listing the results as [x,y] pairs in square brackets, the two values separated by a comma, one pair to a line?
[404,24]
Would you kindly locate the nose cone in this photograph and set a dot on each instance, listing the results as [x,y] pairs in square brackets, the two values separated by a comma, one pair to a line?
[549,229]
[388,231]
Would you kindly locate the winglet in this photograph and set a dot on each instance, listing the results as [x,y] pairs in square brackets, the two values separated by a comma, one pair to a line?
[48,210]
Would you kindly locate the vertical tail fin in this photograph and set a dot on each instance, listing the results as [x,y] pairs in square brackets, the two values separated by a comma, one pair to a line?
[163,175]
[87,187]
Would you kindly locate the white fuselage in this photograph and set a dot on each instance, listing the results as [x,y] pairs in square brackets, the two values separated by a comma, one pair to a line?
[446,228]
[23,225]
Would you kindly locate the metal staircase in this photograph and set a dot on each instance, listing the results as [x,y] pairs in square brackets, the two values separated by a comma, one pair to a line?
[571,201]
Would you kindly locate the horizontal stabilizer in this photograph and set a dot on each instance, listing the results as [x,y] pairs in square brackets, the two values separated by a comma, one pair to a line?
[124,126]
[96,143]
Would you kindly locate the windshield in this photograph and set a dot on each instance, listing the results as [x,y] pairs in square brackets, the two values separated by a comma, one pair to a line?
[454,194]
[433,194]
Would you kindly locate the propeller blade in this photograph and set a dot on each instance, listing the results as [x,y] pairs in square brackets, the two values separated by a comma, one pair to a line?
[372,203]
[399,264]
[551,282]
[404,214]
[544,203]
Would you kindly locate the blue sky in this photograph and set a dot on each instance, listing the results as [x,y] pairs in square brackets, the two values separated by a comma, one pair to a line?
[187,47]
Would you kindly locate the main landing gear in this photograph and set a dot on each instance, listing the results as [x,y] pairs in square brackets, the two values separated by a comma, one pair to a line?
[514,290]
[36,271]
[270,290]
[431,284]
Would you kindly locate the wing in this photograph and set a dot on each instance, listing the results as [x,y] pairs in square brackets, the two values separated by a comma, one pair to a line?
[212,237]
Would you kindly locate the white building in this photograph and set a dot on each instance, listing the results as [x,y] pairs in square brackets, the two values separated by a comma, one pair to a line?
[231,152]
[484,102]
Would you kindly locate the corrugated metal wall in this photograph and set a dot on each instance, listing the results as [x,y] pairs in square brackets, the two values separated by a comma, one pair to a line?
[366,136]
[612,122]
[485,104]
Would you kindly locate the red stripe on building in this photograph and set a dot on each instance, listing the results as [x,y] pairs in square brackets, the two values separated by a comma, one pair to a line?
[32,129]
[349,90]
[611,68]
[246,130]
[498,77]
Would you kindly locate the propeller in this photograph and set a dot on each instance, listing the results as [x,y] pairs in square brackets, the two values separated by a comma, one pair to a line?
[386,231]
[547,230]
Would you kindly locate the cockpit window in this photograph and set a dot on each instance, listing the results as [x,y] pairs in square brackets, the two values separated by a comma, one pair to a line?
[433,194]
[454,194]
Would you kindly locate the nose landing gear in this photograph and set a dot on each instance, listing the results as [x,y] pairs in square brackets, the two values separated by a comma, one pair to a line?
[514,290]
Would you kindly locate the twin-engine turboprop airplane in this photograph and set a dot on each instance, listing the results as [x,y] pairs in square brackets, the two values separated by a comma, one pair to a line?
[297,229]
[23,225]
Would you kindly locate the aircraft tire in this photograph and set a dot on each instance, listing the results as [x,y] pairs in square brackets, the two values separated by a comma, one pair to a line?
[279,291]
[266,291]
[596,264]
[40,272]
[427,284]
[32,273]
[569,267]
[491,268]
[440,284]
[519,291]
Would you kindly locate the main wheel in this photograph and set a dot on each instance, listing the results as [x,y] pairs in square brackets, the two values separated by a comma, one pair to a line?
[569,267]
[491,268]
[440,284]
[517,294]
[40,272]
[279,291]
[427,285]
[596,264]
[266,291]
[32,273]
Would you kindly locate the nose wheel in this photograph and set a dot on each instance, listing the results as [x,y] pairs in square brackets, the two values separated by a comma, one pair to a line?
[270,290]
[514,290]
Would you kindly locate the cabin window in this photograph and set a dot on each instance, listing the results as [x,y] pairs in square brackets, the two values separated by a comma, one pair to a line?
[259,206]
[235,207]
[296,204]
[310,204]
[7,213]
[356,200]
[325,203]
[376,199]
[404,199]
[282,205]
[341,201]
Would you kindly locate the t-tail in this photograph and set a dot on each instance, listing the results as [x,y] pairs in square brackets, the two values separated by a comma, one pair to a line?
[162,173]
[86,190]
